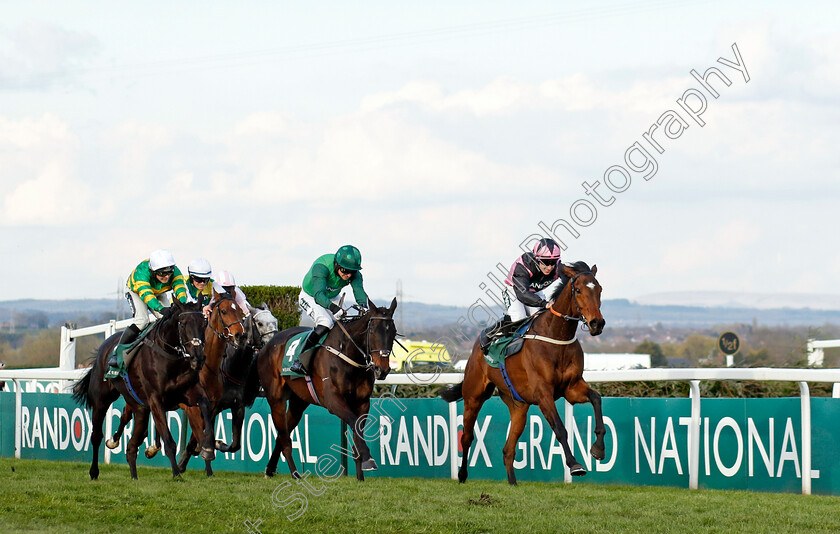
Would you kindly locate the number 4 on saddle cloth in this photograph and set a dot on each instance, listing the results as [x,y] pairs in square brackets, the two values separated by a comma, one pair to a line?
[294,349]
[124,355]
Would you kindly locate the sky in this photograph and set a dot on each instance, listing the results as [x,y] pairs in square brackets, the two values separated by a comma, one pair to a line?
[437,137]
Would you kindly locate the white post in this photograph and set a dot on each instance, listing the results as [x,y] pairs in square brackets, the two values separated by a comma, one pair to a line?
[67,355]
[453,440]
[568,417]
[694,437]
[805,399]
[112,328]
[835,390]
[18,417]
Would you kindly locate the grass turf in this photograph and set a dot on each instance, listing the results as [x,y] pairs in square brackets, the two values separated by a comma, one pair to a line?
[57,497]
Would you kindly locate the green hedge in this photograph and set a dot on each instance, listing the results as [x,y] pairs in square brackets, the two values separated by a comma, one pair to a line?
[281,300]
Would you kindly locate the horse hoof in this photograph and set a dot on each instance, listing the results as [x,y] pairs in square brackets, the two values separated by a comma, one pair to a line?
[151,452]
[269,475]
[221,446]
[111,444]
[369,465]
[208,454]
[577,470]
[296,475]
[597,452]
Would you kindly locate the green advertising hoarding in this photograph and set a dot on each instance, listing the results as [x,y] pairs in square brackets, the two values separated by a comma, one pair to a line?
[753,444]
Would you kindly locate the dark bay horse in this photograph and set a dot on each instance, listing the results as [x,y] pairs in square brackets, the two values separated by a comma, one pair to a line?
[225,323]
[548,367]
[163,374]
[240,383]
[342,382]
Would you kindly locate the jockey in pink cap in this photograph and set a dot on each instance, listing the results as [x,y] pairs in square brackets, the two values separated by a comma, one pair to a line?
[526,284]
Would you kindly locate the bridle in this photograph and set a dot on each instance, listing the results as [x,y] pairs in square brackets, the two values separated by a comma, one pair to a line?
[368,361]
[581,317]
[181,350]
[225,335]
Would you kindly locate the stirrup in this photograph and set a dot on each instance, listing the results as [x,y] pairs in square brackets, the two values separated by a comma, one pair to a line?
[297,367]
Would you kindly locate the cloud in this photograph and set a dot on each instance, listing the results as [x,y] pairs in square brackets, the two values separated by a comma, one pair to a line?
[39,176]
[38,56]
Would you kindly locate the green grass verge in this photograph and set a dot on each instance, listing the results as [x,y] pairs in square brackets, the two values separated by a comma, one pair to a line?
[58,497]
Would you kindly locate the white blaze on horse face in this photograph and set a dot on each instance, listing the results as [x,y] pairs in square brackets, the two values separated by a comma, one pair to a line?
[233,305]
[591,285]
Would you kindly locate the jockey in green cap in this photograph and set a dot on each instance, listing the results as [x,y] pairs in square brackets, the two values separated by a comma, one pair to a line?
[320,292]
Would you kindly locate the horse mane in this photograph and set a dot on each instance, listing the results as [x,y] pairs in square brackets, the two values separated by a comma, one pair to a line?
[578,267]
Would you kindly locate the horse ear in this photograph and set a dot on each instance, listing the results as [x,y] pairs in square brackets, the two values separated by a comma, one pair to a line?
[371,305]
[569,272]
[393,305]
[594,269]
[264,305]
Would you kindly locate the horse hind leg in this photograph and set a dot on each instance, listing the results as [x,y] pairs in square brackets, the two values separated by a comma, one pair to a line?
[474,399]
[581,392]
[96,435]
[518,419]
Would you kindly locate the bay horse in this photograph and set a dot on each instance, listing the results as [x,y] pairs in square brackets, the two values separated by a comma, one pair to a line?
[162,374]
[549,366]
[240,383]
[343,370]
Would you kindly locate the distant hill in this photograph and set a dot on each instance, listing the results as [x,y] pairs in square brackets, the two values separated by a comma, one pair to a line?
[728,299]
[417,315]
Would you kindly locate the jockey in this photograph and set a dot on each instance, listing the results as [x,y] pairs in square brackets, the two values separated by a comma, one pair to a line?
[526,282]
[199,283]
[147,289]
[225,283]
[320,291]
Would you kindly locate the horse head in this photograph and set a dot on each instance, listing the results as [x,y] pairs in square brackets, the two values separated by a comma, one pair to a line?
[227,320]
[190,332]
[585,299]
[263,326]
[381,332]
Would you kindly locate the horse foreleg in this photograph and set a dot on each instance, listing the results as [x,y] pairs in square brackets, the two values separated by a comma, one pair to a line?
[518,418]
[369,464]
[278,416]
[162,428]
[549,411]
[581,392]
[208,444]
[141,426]
[339,407]
[126,416]
[238,413]
[293,416]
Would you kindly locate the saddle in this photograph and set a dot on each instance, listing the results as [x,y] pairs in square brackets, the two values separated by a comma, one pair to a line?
[504,346]
[125,353]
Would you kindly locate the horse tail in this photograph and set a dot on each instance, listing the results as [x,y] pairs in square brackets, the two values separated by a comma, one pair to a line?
[81,390]
[451,392]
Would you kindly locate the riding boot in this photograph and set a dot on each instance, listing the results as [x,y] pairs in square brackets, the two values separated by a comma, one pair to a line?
[491,333]
[128,336]
[301,366]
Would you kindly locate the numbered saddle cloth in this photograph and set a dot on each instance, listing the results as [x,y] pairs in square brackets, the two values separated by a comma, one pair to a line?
[294,349]
[505,347]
